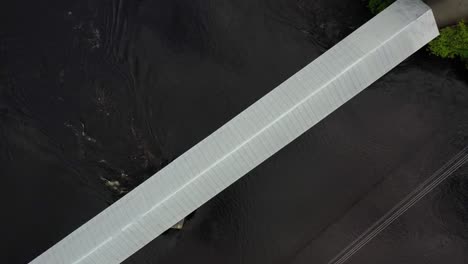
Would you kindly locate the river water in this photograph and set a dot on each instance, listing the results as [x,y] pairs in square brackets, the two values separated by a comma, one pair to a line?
[96,96]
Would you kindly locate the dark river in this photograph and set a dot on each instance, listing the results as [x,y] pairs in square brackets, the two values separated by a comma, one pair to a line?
[98,95]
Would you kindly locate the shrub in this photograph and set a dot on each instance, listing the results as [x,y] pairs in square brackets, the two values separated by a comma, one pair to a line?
[452,42]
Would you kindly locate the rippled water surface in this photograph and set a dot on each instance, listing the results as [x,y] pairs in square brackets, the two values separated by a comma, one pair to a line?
[96,96]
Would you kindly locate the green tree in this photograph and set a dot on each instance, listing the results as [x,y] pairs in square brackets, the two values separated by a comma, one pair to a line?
[452,42]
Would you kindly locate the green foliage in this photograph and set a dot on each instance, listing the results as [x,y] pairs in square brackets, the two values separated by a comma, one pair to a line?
[377,6]
[452,42]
